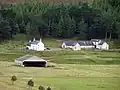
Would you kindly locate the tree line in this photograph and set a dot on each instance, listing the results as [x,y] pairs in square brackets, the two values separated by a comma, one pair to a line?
[83,21]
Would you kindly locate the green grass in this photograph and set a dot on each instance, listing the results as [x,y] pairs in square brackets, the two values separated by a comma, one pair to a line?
[69,57]
[16,48]
[69,77]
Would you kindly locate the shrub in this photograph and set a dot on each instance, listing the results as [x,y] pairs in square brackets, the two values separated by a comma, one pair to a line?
[49,88]
[30,84]
[13,79]
[41,88]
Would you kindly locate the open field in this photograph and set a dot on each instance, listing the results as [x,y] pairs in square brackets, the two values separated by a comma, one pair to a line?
[74,70]
[62,77]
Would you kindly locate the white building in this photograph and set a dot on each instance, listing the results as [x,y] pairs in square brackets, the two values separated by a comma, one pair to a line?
[103,46]
[71,45]
[94,43]
[36,45]
[31,61]
[100,44]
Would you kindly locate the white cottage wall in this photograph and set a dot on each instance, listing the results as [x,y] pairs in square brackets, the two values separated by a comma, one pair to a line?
[76,47]
[104,46]
[63,45]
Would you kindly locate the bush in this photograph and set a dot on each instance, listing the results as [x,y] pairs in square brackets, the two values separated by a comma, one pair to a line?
[41,88]
[30,84]
[49,88]
[13,79]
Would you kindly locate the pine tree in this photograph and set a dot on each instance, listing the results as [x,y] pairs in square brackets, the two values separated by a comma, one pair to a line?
[5,29]
[82,30]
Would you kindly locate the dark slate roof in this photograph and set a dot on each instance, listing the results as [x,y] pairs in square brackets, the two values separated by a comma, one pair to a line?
[89,43]
[81,43]
[85,43]
[101,42]
[70,43]
[33,42]
[95,40]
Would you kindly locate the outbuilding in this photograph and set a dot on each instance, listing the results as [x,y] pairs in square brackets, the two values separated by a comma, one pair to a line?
[102,46]
[31,61]
[71,45]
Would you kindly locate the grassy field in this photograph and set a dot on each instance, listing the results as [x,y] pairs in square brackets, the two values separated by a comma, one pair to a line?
[74,70]
[62,77]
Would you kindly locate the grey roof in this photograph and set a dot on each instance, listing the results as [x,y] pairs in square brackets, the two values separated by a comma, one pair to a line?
[95,40]
[70,43]
[81,43]
[101,42]
[24,58]
[33,42]
[85,43]
[29,58]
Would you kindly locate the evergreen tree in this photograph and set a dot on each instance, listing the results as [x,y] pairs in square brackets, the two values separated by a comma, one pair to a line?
[82,30]
[5,29]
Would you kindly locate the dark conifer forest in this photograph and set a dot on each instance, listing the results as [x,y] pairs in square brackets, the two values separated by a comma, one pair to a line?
[84,21]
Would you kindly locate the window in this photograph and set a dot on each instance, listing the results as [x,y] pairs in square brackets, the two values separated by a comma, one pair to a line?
[75,48]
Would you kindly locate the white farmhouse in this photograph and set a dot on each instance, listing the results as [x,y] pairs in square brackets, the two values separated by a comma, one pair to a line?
[71,45]
[36,45]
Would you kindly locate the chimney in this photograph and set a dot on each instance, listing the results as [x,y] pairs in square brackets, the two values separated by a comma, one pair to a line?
[40,40]
[33,39]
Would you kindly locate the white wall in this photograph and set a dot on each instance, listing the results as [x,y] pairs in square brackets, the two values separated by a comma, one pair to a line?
[104,46]
[76,47]
[19,62]
[86,47]
[37,47]
[63,45]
